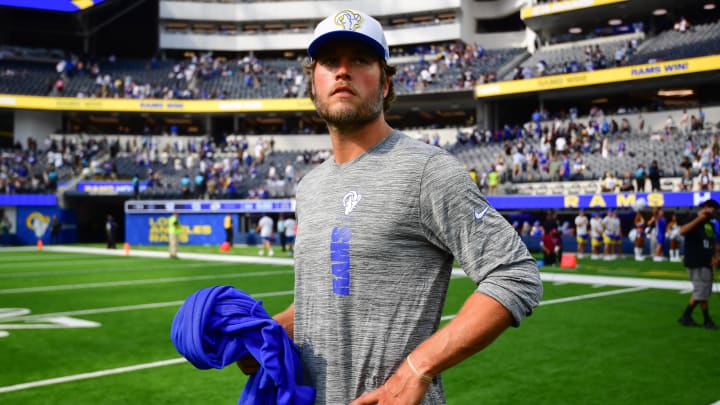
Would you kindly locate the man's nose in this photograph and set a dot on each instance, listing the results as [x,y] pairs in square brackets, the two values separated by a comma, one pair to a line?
[343,69]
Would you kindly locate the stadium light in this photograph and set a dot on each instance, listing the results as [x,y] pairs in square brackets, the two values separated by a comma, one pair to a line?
[676,93]
[709,6]
[660,11]
[615,21]
[575,30]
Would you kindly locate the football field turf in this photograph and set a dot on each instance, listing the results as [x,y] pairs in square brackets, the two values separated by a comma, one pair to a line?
[81,328]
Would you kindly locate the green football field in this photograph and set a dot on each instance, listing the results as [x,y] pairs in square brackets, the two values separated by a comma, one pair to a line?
[82,328]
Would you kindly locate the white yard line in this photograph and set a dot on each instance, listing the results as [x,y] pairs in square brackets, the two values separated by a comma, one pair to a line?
[94,374]
[134,307]
[139,282]
[105,270]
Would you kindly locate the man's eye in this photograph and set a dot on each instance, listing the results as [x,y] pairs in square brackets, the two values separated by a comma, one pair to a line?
[328,61]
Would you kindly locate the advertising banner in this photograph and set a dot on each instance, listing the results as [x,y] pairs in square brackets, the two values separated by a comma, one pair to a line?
[152,229]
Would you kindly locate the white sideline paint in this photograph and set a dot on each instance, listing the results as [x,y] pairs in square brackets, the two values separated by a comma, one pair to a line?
[86,376]
[164,255]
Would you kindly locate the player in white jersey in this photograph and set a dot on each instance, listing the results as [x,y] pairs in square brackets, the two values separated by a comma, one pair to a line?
[265,229]
[596,236]
[581,233]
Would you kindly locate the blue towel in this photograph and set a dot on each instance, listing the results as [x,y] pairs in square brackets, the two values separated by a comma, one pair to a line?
[218,326]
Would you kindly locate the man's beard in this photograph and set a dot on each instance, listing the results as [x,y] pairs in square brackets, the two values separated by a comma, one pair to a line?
[348,117]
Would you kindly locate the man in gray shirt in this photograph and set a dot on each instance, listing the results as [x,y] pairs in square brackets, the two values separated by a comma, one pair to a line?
[379,226]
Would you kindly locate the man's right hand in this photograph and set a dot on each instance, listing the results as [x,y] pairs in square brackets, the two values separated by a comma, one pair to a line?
[248,365]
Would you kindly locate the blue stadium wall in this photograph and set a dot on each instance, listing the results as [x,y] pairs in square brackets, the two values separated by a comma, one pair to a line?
[31,216]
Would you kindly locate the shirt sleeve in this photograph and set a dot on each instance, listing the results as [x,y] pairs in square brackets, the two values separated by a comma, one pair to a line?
[458,218]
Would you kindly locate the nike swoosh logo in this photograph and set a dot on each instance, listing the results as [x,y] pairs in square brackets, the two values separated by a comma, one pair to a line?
[481,214]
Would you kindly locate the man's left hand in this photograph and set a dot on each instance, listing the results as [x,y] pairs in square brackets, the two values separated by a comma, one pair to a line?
[403,387]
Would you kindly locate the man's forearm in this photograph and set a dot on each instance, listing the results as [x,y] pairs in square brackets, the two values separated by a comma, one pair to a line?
[286,319]
[480,321]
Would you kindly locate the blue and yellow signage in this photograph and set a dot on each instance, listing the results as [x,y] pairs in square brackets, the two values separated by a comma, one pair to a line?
[598,77]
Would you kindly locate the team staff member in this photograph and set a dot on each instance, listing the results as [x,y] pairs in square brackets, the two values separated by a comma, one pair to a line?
[702,254]
[379,225]
[174,231]
[228,226]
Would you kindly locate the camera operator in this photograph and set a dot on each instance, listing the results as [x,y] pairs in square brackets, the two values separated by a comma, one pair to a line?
[702,253]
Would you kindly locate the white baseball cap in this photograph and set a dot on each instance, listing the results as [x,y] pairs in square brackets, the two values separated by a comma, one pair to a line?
[350,24]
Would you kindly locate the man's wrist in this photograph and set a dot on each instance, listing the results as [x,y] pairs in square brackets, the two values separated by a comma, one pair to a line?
[423,377]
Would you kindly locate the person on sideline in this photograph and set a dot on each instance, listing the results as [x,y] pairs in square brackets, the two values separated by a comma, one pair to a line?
[380,223]
[290,233]
[265,228]
[596,236]
[581,233]
[660,223]
[174,231]
[674,238]
[229,228]
[55,227]
[110,232]
[281,232]
[702,254]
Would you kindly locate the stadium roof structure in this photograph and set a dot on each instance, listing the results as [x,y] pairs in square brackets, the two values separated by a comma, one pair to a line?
[556,18]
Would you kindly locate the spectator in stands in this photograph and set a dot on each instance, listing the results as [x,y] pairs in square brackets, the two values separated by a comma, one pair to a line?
[609,183]
[701,118]
[654,174]
[686,183]
[705,180]
[136,186]
[682,25]
[684,122]
[641,124]
[185,186]
[555,168]
[626,184]
[493,180]
[625,126]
